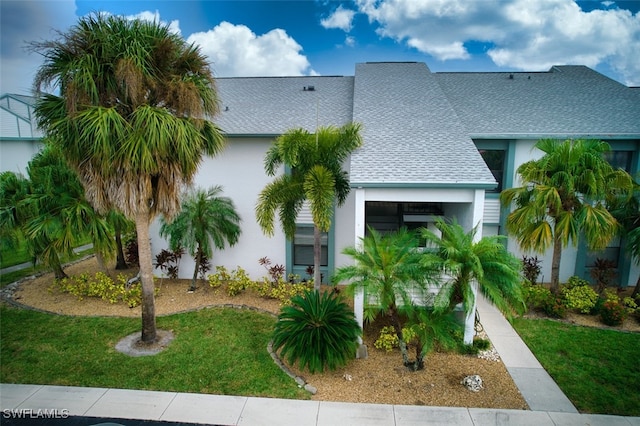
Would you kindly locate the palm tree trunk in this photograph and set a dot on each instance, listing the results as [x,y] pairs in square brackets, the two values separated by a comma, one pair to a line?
[121,262]
[395,318]
[317,253]
[146,277]
[555,264]
[58,272]
[192,287]
[101,263]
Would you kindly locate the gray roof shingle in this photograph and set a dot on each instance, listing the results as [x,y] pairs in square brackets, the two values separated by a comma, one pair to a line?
[565,101]
[411,133]
[273,105]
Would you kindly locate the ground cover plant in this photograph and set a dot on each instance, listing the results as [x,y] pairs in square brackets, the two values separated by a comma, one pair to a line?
[597,369]
[216,351]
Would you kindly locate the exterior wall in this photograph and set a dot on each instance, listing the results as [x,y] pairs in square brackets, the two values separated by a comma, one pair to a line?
[15,154]
[570,265]
[239,170]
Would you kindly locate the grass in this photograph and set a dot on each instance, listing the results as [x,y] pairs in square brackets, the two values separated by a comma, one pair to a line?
[597,369]
[10,277]
[216,351]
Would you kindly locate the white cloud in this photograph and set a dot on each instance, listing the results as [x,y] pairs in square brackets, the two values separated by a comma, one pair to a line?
[349,41]
[174,26]
[531,35]
[235,50]
[341,18]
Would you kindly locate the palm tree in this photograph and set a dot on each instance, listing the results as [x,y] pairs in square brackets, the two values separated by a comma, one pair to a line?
[132,119]
[563,195]
[627,212]
[316,175]
[207,220]
[387,268]
[14,189]
[464,261]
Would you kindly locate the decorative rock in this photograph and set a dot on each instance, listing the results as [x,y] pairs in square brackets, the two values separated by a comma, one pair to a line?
[489,355]
[347,377]
[311,389]
[473,383]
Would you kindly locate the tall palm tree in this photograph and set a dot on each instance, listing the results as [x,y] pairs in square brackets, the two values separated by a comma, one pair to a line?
[315,175]
[563,196]
[132,119]
[389,269]
[464,261]
[207,220]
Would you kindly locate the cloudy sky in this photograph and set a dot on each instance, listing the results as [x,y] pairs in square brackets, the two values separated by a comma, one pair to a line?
[269,37]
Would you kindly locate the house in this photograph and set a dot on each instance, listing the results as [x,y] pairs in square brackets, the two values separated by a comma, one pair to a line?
[20,139]
[435,145]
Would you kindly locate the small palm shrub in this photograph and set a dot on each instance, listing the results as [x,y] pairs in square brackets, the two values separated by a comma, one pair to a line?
[318,331]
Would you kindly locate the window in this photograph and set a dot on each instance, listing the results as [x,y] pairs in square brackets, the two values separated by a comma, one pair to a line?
[619,159]
[303,247]
[495,161]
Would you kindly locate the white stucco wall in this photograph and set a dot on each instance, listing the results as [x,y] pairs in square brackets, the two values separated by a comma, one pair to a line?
[240,171]
[16,154]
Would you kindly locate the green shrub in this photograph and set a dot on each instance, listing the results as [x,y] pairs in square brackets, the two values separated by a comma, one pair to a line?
[555,307]
[220,277]
[536,297]
[581,298]
[613,313]
[101,286]
[576,281]
[387,340]
[317,330]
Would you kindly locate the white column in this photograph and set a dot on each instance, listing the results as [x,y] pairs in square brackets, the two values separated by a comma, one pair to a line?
[358,300]
[477,216]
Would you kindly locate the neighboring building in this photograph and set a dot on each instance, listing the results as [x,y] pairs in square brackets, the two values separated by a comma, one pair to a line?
[20,140]
[425,136]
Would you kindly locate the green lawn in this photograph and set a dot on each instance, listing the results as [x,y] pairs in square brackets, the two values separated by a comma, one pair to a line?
[217,351]
[598,370]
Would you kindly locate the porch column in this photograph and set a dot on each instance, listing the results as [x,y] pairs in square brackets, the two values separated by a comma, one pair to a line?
[358,300]
[476,220]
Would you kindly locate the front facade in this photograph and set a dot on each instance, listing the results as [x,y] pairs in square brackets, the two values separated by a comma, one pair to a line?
[435,145]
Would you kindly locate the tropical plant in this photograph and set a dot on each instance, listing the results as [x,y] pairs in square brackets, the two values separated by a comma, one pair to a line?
[388,269]
[563,196]
[133,119]
[627,212]
[315,174]
[603,271]
[465,261]
[531,268]
[14,189]
[206,221]
[317,330]
[432,330]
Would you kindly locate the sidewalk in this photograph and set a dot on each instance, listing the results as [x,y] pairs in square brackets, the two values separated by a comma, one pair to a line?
[236,410]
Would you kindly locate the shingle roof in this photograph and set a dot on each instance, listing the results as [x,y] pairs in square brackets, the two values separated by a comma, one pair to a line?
[411,133]
[273,105]
[567,100]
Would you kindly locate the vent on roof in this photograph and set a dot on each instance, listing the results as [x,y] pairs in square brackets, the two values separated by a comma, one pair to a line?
[510,76]
[309,88]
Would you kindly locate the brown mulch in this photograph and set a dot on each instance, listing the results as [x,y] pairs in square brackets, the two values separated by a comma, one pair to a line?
[380,378]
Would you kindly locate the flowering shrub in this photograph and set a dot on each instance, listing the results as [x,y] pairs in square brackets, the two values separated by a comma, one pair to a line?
[555,307]
[613,313]
[581,298]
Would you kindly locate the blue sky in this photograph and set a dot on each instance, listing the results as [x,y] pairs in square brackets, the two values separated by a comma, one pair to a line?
[303,37]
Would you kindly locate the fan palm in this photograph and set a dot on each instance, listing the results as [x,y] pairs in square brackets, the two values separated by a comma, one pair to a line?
[316,175]
[463,261]
[387,268]
[564,196]
[207,220]
[132,119]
